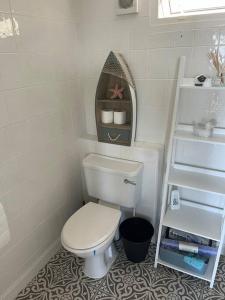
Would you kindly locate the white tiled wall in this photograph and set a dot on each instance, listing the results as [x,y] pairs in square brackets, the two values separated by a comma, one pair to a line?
[152,51]
[39,126]
[51,55]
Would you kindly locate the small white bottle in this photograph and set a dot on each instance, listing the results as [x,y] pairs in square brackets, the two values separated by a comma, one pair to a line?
[175,200]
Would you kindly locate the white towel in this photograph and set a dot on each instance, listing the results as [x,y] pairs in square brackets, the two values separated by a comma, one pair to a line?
[4,228]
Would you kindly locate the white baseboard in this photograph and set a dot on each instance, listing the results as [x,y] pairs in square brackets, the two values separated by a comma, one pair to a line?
[26,277]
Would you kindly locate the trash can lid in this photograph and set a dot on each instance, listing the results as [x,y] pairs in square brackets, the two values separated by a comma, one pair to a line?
[137,230]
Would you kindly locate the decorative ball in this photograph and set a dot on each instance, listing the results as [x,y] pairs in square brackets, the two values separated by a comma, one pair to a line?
[126,3]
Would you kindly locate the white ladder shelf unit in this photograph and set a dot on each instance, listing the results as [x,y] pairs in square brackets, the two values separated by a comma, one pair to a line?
[194,218]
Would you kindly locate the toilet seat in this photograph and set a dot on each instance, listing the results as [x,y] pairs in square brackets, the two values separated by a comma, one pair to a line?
[86,252]
[90,226]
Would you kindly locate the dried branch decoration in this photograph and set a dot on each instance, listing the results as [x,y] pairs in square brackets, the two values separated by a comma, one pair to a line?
[218,61]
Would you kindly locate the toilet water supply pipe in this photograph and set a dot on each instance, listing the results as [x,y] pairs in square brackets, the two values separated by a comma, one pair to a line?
[189,247]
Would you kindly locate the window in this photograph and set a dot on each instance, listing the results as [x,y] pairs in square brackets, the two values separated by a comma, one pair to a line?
[178,8]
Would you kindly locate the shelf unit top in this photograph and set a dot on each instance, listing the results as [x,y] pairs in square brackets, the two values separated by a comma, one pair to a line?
[189,136]
[197,181]
[207,276]
[195,220]
[188,83]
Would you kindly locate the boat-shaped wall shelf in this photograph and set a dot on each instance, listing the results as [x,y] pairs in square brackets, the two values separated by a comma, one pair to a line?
[115,103]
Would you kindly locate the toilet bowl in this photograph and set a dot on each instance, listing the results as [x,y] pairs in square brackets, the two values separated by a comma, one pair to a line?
[89,234]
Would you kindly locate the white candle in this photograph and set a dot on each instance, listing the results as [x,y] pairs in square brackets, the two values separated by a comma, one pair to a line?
[119,117]
[107,116]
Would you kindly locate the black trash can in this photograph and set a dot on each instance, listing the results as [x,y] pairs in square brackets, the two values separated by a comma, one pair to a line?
[136,235]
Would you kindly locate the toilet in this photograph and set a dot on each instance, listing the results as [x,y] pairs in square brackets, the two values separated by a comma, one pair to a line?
[89,232]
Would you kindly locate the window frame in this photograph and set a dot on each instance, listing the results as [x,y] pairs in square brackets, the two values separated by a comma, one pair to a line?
[165,11]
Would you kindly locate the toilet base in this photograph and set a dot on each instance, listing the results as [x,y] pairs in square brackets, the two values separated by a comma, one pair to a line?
[98,265]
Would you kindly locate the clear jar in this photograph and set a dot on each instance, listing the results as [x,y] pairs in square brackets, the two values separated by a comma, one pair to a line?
[218,80]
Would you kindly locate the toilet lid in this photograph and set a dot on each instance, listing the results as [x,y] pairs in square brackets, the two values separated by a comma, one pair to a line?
[90,226]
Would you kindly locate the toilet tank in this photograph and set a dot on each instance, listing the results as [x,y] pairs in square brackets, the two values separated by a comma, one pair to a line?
[113,180]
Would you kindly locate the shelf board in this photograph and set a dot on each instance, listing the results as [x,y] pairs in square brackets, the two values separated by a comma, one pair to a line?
[121,142]
[189,136]
[188,83]
[195,220]
[114,101]
[117,126]
[207,276]
[183,86]
[197,181]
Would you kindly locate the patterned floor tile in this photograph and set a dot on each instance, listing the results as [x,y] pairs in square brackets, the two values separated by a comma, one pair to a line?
[63,279]
[218,292]
[126,281]
[169,284]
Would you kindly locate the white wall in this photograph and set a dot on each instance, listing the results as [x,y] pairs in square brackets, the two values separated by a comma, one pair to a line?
[41,108]
[152,51]
[39,126]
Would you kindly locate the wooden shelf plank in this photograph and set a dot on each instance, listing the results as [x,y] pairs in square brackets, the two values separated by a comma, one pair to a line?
[207,276]
[196,221]
[114,101]
[197,181]
[123,143]
[112,125]
[188,136]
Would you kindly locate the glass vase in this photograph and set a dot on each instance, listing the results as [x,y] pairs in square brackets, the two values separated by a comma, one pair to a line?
[218,80]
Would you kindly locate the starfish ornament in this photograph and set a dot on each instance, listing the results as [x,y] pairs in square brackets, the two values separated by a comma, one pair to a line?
[117,92]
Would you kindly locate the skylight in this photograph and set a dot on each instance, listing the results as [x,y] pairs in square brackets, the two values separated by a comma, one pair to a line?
[177,8]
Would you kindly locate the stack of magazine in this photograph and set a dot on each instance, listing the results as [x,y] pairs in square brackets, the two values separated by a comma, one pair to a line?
[187,250]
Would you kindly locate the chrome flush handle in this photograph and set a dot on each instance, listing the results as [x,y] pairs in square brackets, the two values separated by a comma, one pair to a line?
[126,181]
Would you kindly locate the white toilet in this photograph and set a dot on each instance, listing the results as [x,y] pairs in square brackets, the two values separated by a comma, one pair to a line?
[89,233]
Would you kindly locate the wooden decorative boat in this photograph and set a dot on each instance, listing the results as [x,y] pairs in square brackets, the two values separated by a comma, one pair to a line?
[116,92]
